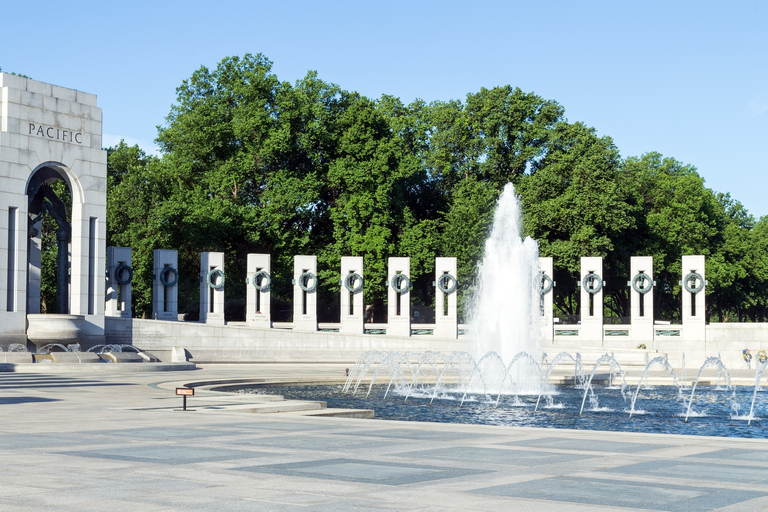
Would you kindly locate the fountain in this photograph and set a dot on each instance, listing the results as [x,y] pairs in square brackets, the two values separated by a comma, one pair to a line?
[500,381]
[721,370]
[668,367]
[614,368]
[502,309]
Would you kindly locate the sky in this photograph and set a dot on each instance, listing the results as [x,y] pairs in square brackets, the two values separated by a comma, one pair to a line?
[687,79]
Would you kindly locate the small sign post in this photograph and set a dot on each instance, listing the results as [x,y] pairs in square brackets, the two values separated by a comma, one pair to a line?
[185,392]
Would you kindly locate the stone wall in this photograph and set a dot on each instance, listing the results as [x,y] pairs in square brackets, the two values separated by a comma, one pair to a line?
[241,343]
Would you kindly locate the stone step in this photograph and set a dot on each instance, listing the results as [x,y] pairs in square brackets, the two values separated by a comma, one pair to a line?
[279,407]
[339,413]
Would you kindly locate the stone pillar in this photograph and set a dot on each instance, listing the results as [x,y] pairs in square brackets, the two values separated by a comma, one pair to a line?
[119,277]
[13,300]
[446,290]
[546,291]
[212,295]
[89,233]
[34,265]
[258,282]
[165,285]
[352,314]
[591,283]
[641,299]
[399,297]
[305,293]
[694,307]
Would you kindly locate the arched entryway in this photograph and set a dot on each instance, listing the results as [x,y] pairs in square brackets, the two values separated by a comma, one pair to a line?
[49,237]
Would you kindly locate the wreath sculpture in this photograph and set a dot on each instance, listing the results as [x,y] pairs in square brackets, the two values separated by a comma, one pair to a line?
[119,272]
[164,276]
[305,279]
[694,278]
[213,282]
[266,280]
[588,280]
[401,283]
[545,284]
[642,283]
[354,282]
[446,283]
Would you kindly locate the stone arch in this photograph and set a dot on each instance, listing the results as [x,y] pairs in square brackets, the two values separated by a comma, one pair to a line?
[58,170]
[51,133]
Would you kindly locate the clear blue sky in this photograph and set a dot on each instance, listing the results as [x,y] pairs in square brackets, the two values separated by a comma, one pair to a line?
[688,79]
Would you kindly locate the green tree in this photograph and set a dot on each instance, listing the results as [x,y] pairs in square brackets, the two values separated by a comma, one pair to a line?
[250,155]
[576,204]
[678,216]
[136,204]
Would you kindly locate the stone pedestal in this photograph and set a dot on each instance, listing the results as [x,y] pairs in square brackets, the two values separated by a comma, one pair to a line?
[55,328]
[212,280]
[352,314]
[641,300]
[544,321]
[165,285]
[694,305]
[591,282]
[119,277]
[258,283]
[399,297]
[446,290]
[305,293]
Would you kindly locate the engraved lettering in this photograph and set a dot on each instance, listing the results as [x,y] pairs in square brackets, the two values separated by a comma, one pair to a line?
[55,133]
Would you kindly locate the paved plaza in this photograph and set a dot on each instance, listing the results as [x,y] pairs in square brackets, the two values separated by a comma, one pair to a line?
[115,441]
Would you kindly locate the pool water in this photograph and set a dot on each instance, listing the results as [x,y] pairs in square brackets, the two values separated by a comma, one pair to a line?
[715,411]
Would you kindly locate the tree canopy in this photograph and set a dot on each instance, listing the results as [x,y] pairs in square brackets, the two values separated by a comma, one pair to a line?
[252,164]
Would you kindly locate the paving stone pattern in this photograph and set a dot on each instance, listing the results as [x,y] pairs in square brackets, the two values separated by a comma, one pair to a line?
[112,441]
